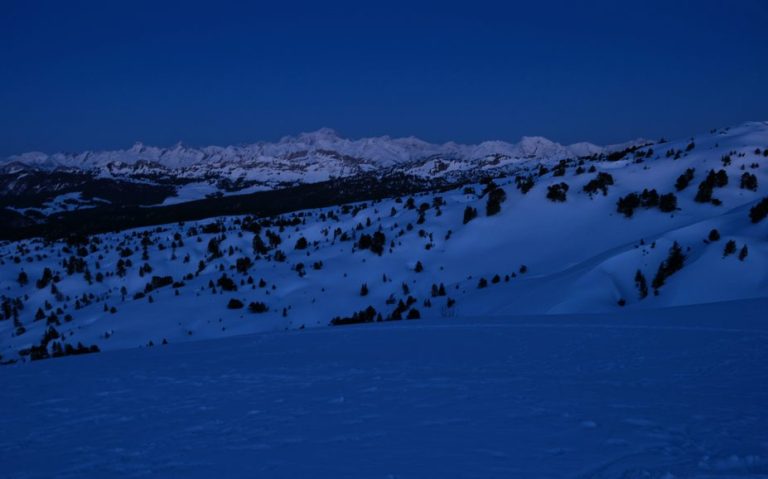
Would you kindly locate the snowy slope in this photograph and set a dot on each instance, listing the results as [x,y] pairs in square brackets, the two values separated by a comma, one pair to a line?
[537,256]
[679,393]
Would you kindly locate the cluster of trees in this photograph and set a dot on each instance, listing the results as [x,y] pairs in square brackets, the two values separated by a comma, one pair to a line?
[496,196]
[706,187]
[626,205]
[669,266]
[368,315]
[403,309]
[641,284]
[557,192]
[685,179]
[375,242]
[730,248]
[158,282]
[43,351]
[600,183]
[748,182]
[524,183]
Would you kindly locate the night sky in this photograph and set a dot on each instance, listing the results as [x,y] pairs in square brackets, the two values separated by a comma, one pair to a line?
[102,75]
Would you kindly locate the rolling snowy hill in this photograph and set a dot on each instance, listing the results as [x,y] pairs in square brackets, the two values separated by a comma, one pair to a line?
[644,228]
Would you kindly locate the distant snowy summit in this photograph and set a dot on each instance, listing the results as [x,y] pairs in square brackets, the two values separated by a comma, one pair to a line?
[320,147]
[180,173]
[34,183]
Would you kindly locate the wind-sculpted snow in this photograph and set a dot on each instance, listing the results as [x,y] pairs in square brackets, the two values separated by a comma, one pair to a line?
[671,393]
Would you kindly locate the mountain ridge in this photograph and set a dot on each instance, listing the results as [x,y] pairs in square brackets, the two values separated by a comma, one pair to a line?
[380,148]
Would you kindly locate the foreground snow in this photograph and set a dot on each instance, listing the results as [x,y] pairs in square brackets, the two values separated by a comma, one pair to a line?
[678,392]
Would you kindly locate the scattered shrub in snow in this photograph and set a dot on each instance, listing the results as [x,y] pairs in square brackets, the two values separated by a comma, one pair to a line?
[419,268]
[714,235]
[234,304]
[668,267]
[364,290]
[482,283]
[413,314]
[758,212]
[557,192]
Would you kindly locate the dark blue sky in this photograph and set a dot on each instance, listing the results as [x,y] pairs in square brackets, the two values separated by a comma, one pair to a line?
[93,75]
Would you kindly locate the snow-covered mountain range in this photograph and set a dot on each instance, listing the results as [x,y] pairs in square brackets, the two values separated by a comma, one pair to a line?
[322,151]
[195,173]
[646,227]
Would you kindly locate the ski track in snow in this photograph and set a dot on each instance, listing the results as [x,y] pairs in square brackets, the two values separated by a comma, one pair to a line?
[679,392]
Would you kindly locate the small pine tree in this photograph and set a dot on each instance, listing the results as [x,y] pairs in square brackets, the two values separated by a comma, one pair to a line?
[743,253]
[469,214]
[730,248]
[758,212]
[301,243]
[642,285]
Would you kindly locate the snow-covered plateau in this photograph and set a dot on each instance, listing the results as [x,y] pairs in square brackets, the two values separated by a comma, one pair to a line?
[579,312]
